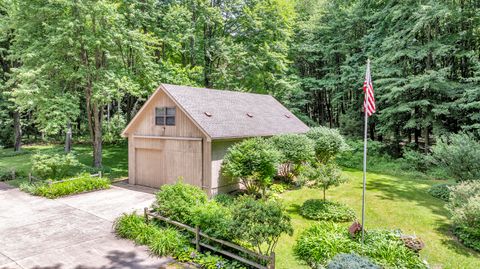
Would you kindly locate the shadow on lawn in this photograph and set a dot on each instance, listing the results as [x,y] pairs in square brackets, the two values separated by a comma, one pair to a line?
[452,242]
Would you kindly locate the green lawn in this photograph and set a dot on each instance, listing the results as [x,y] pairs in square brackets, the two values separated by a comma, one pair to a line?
[392,202]
[115,158]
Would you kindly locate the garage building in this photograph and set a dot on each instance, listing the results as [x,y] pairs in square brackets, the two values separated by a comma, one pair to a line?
[184,132]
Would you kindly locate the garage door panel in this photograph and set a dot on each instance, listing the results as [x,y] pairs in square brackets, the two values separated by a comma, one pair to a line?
[176,159]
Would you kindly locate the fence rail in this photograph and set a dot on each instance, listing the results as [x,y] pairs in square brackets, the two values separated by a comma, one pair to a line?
[198,244]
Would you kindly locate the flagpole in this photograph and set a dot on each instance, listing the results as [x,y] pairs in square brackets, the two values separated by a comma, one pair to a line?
[365,161]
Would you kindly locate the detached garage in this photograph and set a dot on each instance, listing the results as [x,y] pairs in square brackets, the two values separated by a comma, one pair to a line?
[184,132]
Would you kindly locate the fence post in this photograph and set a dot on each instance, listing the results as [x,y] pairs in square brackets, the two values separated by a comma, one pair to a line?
[145,214]
[99,173]
[272,261]
[197,237]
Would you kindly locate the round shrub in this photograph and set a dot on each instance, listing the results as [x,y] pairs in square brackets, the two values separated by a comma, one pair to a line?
[464,206]
[351,261]
[278,188]
[177,201]
[213,219]
[328,143]
[253,161]
[296,149]
[440,191]
[54,166]
[460,155]
[317,209]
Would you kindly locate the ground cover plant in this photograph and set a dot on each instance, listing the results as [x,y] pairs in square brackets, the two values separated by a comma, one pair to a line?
[350,261]
[317,209]
[441,191]
[318,244]
[81,183]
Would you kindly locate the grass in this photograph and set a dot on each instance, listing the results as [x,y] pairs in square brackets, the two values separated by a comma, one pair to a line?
[392,202]
[115,159]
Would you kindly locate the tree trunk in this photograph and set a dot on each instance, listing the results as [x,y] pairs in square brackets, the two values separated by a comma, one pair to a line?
[324,193]
[97,139]
[68,138]
[427,140]
[18,131]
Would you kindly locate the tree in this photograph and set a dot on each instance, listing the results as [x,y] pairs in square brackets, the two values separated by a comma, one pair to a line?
[324,176]
[297,150]
[328,143]
[253,162]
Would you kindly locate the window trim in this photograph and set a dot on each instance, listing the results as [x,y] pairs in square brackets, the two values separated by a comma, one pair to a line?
[164,116]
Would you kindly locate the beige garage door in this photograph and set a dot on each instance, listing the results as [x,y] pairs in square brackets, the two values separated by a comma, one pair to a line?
[168,161]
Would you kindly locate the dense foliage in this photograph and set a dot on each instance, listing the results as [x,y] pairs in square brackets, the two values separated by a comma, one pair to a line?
[328,143]
[459,154]
[350,261]
[296,150]
[260,223]
[81,183]
[440,191]
[253,162]
[178,201]
[53,166]
[464,206]
[326,210]
[318,244]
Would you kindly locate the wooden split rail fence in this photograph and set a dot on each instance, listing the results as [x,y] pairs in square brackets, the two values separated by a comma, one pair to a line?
[270,260]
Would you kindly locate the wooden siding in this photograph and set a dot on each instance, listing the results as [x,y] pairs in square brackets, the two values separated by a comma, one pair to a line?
[220,183]
[145,124]
[160,154]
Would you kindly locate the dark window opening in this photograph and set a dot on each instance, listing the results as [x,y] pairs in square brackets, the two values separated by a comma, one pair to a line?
[165,116]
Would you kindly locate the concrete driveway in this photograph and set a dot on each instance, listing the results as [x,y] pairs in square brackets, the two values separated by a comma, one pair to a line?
[71,232]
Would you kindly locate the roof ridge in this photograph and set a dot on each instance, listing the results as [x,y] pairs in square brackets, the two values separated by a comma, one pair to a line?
[218,90]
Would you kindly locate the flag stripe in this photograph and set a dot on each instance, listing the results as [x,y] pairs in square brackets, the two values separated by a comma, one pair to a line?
[368,103]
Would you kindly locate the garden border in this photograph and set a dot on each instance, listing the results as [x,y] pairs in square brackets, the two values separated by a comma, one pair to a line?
[198,236]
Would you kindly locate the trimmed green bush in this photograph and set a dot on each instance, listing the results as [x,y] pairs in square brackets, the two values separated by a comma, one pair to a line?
[440,191]
[177,201]
[328,143]
[460,155]
[84,183]
[351,261]
[213,219]
[317,245]
[296,150]
[224,199]
[464,206]
[260,223]
[317,209]
[253,162]
[55,166]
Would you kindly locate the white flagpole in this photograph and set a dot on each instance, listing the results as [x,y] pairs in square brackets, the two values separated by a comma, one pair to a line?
[365,160]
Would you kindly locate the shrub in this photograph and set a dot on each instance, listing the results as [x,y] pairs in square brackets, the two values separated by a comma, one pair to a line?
[260,223]
[318,244]
[254,162]
[224,199]
[460,155]
[213,219]
[278,188]
[54,166]
[83,183]
[296,150]
[177,201]
[419,161]
[161,241]
[326,210]
[350,261]
[328,143]
[324,176]
[440,191]
[464,206]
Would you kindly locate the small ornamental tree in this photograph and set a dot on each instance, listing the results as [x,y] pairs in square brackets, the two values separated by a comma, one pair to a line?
[253,162]
[296,150]
[328,143]
[260,223]
[324,176]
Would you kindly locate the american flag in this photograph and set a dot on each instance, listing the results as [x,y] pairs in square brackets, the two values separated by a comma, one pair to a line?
[369,99]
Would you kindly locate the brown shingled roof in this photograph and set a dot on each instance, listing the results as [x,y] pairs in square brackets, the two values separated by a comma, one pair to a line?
[229,114]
